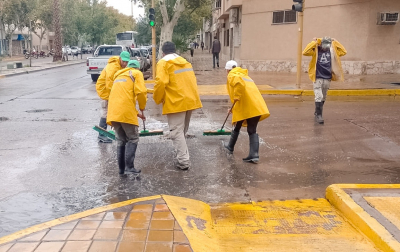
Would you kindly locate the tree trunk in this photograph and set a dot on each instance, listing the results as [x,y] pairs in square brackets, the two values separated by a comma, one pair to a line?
[10,46]
[57,30]
[166,35]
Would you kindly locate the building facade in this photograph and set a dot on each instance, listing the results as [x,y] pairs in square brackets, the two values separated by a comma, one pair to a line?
[263,34]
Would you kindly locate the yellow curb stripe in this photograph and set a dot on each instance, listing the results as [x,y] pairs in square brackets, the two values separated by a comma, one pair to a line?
[367,186]
[281,92]
[361,219]
[363,92]
[62,220]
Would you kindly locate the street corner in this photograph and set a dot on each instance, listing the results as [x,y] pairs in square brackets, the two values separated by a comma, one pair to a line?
[139,224]
[374,209]
[275,225]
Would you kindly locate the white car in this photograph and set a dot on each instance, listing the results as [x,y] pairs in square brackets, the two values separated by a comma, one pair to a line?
[75,50]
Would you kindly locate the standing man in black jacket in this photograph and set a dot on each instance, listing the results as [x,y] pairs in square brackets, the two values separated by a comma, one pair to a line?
[216,49]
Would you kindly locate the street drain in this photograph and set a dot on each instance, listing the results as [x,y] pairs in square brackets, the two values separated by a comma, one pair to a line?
[38,110]
[2,119]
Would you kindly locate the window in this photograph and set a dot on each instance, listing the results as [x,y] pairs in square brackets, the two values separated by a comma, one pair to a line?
[284,17]
[124,36]
[217,4]
[110,51]
[226,37]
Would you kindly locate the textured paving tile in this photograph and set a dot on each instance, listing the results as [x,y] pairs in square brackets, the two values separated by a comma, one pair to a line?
[76,246]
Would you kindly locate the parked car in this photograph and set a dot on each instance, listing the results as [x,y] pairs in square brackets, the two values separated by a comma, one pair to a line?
[87,49]
[75,50]
[66,49]
[100,58]
[146,53]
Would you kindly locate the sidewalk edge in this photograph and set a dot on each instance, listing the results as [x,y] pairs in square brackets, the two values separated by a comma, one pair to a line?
[65,219]
[38,70]
[369,226]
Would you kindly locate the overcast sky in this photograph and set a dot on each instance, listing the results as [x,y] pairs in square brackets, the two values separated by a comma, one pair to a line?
[124,6]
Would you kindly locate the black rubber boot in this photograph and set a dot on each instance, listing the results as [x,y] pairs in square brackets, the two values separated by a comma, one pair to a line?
[232,141]
[121,159]
[102,138]
[130,153]
[254,147]
[318,113]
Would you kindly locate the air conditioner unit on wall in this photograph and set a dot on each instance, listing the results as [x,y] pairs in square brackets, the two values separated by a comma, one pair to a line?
[388,18]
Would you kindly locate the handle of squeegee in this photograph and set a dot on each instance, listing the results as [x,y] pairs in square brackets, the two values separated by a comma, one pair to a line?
[230,111]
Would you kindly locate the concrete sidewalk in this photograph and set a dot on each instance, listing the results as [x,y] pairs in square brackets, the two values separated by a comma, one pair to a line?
[352,218]
[37,65]
[286,82]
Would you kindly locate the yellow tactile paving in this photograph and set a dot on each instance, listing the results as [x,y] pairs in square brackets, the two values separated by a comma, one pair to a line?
[305,225]
[388,207]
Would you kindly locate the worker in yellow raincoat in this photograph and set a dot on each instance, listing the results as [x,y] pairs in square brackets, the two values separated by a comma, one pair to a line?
[176,89]
[104,84]
[249,108]
[325,65]
[122,114]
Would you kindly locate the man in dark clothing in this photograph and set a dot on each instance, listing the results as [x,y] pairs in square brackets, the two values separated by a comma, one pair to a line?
[202,45]
[216,49]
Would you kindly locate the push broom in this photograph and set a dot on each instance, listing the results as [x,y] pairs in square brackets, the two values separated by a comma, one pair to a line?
[220,132]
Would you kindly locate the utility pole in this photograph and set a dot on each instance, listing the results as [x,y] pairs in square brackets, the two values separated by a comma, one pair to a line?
[153,46]
[299,7]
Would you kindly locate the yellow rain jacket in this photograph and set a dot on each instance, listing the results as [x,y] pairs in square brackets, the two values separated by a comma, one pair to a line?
[250,102]
[176,85]
[106,78]
[123,97]
[337,51]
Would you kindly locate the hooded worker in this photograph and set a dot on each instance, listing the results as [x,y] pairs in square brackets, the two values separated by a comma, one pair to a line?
[176,89]
[325,65]
[249,108]
[128,88]
[104,85]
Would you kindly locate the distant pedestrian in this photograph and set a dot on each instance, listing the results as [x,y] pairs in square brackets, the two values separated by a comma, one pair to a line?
[249,108]
[176,89]
[104,85]
[192,46]
[122,114]
[325,66]
[216,49]
[202,45]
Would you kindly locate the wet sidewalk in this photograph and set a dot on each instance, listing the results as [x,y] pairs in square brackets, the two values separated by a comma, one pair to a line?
[37,65]
[351,218]
[270,81]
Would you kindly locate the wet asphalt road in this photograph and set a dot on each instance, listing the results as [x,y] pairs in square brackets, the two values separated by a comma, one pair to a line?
[52,165]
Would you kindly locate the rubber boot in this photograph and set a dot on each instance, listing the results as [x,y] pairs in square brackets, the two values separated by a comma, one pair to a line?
[254,147]
[232,141]
[121,159]
[102,138]
[318,115]
[130,153]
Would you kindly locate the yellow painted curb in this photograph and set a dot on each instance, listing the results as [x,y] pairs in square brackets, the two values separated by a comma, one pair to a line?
[363,92]
[62,220]
[361,219]
[282,92]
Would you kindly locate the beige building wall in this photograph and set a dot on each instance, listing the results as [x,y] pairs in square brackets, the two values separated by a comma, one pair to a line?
[371,48]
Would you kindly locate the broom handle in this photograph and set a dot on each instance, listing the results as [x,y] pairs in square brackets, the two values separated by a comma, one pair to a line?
[144,124]
[228,115]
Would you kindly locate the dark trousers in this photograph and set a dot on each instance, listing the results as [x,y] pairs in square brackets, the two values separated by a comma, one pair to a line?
[215,56]
[191,52]
[251,125]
